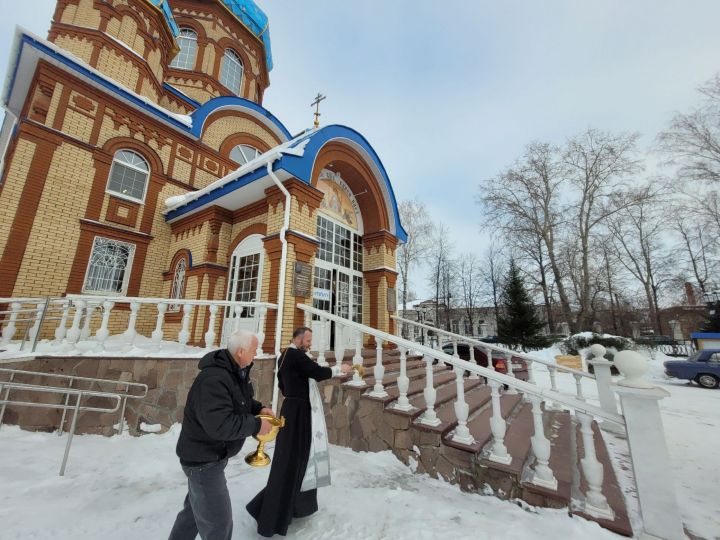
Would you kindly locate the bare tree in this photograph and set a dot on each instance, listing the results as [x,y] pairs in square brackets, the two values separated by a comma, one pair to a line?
[468,271]
[493,267]
[417,223]
[598,165]
[697,246]
[530,252]
[439,257]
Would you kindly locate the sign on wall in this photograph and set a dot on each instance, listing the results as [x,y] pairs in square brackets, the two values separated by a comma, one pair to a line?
[302,279]
[391,300]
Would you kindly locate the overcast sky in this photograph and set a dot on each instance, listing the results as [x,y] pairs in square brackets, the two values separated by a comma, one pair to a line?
[450,92]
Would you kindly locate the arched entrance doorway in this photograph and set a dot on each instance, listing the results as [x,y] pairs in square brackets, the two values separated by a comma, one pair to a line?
[338,274]
[244,282]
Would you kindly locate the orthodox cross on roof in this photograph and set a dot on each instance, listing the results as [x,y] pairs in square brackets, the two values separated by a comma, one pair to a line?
[316,104]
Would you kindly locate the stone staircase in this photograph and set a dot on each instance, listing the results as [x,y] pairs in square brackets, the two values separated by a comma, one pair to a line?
[366,423]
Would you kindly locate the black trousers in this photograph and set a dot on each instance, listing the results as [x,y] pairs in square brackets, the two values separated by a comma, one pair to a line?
[207,508]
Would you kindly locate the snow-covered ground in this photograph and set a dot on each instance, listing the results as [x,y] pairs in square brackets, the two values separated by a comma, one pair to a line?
[124,487]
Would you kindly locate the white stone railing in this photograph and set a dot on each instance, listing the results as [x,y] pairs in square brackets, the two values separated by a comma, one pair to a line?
[601,366]
[656,491]
[70,320]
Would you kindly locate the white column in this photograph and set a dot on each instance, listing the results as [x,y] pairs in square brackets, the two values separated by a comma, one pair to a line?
[462,409]
[85,333]
[378,390]
[509,368]
[543,475]
[339,348]
[488,354]
[73,335]
[260,333]
[9,330]
[321,346]
[130,333]
[429,417]
[578,386]
[103,333]
[358,359]
[455,351]
[403,382]
[473,375]
[531,376]
[157,334]
[651,463]
[184,334]
[61,330]
[603,378]
[553,382]
[595,502]
[498,452]
[210,334]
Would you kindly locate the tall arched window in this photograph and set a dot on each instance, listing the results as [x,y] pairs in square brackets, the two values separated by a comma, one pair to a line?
[243,153]
[178,285]
[187,41]
[128,176]
[232,71]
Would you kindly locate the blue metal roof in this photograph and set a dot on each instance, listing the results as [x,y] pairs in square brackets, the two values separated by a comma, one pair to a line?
[255,19]
[705,335]
[163,6]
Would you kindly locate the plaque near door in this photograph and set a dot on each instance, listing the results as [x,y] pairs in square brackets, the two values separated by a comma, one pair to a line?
[302,279]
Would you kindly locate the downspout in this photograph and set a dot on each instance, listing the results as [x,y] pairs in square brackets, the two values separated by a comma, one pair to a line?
[13,119]
[281,286]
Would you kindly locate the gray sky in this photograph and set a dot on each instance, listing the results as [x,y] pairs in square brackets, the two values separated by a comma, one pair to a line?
[449,95]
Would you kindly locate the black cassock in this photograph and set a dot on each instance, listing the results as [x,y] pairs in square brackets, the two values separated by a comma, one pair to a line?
[281,500]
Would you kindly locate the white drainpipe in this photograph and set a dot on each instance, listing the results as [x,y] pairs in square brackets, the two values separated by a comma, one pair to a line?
[281,287]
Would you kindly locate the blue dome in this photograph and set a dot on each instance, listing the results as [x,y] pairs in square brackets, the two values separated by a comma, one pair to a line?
[255,19]
[163,6]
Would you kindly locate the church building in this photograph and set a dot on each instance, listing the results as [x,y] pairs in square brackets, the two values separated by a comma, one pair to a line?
[138,161]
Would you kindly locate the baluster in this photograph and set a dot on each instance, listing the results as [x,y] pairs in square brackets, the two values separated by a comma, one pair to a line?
[339,343]
[237,310]
[543,475]
[499,452]
[510,373]
[210,334]
[462,409]
[358,359]
[260,314]
[9,330]
[103,333]
[130,333]
[184,334]
[455,351]
[488,354]
[85,332]
[429,417]
[378,390]
[73,334]
[61,330]
[157,334]
[403,382]
[595,502]
[321,345]
[578,386]
[473,375]
[36,323]
[603,379]
[531,377]
[553,381]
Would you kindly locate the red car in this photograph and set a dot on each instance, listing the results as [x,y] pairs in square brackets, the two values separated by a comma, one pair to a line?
[519,366]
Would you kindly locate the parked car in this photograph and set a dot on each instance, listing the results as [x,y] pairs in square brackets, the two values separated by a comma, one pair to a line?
[519,366]
[703,367]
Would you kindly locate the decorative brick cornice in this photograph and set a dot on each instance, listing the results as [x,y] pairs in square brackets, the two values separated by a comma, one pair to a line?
[380,238]
[252,210]
[213,213]
[304,193]
[114,232]
[373,277]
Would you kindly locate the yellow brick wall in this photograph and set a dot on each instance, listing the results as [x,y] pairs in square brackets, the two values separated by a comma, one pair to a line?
[217,131]
[203,178]
[118,68]
[14,184]
[148,90]
[379,257]
[54,103]
[182,170]
[77,125]
[194,89]
[208,61]
[77,46]
[84,14]
[48,258]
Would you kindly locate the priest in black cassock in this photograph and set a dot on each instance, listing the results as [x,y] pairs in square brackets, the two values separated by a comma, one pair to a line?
[300,462]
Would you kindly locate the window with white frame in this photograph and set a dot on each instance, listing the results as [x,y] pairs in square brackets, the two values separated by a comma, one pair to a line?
[178,285]
[231,72]
[244,281]
[108,270]
[128,176]
[243,153]
[188,43]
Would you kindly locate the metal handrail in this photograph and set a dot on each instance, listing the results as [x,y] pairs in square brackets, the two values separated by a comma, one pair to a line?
[8,385]
[490,346]
[522,386]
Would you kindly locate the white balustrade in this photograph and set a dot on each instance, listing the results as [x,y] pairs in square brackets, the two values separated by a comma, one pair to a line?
[603,378]
[184,334]
[429,417]
[510,372]
[157,334]
[455,349]
[462,409]
[33,332]
[130,333]
[498,452]
[595,502]
[260,332]
[73,335]
[358,359]
[237,312]
[210,334]
[321,345]
[61,330]
[403,383]
[103,332]
[9,330]
[578,387]
[473,375]
[339,345]
[542,475]
[378,390]
[85,332]
[531,376]
[489,355]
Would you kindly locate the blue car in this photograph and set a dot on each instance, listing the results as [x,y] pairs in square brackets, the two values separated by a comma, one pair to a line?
[703,367]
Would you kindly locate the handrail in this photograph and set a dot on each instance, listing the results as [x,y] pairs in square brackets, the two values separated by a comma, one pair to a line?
[142,386]
[180,301]
[512,382]
[490,346]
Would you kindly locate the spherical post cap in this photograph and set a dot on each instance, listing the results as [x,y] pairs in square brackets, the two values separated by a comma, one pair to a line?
[633,367]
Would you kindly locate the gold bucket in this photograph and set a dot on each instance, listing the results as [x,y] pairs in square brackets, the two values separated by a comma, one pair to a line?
[259,458]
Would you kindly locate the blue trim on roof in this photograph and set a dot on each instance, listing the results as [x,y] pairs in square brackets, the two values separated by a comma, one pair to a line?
[184,97]
[217,193]
[704,335]
[255,19]
[206,109]
[167,12]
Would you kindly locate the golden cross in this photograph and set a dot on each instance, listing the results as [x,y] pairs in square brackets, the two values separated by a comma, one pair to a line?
[316,104]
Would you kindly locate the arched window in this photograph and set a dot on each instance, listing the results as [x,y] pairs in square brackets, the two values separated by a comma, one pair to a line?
[128,176]
[178,285]
[187,41]
[243,153]
[232,71]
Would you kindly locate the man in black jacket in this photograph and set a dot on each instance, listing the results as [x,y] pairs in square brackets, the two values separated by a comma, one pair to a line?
[219,415]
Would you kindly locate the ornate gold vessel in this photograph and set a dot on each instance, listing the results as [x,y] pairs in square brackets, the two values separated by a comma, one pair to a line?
[259,458]
[360,369]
